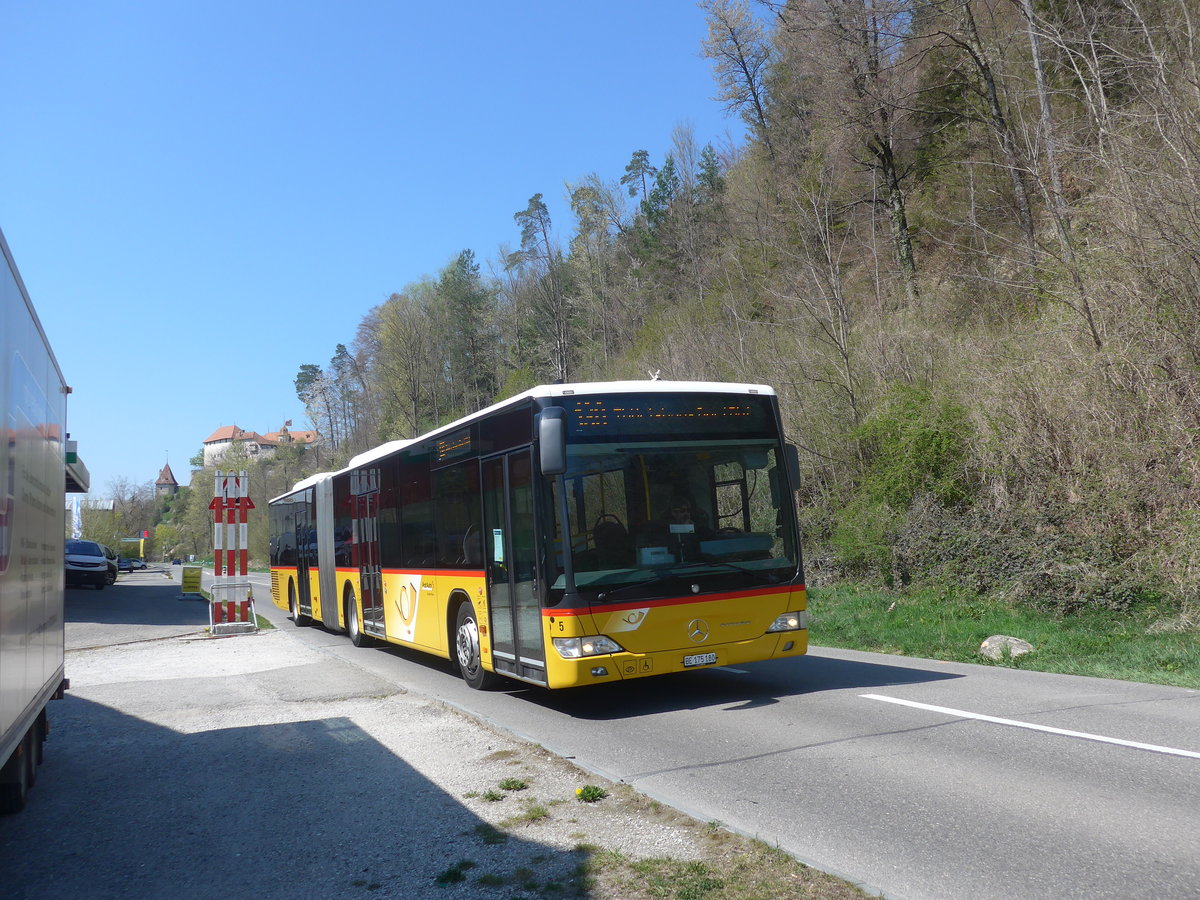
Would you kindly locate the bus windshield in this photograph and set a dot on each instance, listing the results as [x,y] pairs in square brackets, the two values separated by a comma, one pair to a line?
[663,517]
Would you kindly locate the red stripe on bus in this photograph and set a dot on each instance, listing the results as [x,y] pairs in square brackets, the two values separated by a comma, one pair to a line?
[586,610]
[469,573]
[466,573]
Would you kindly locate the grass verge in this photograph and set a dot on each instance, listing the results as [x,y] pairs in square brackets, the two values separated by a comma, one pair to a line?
[734,868]
[716,864]
[1130,646]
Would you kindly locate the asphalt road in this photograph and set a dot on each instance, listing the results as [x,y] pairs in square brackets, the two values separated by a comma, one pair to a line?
[917,778]
[116,615]
[183,767]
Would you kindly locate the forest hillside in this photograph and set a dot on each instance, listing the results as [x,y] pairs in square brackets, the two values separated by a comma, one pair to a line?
[962,241]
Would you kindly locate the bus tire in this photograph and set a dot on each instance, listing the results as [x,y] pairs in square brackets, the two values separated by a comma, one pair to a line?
[353,625]
[294,607]
[468,657]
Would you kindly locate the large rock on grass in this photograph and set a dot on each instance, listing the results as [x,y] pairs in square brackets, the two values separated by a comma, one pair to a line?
[1001,646]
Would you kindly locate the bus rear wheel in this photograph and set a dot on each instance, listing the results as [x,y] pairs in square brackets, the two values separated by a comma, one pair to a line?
[298,618]
[470,661]
[353,626]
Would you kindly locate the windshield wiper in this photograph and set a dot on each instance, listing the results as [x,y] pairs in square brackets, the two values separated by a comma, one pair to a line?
[603,596]
[761,576]
[676,574]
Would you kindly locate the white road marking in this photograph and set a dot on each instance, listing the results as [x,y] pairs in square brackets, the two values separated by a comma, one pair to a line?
[963,714]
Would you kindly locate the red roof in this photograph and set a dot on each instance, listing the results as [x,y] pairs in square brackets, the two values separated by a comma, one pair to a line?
[300,437]
[234,433]
[225,433]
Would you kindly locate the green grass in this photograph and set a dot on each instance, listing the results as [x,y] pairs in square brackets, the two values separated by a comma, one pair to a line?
[456,873]
[533,812]
[947,625]
[733,869]
[590,793]
[730,867]
[490,834]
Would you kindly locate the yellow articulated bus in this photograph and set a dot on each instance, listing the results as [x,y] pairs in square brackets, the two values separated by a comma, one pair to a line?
[575,534]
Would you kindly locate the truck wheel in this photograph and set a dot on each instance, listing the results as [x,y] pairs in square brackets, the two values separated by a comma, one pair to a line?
[31,756]
[41,730]
[15,778]
[470,661]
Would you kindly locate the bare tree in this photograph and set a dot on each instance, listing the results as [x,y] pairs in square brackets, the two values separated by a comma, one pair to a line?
[741,56]
[539,264]
[865,42]
[402,363]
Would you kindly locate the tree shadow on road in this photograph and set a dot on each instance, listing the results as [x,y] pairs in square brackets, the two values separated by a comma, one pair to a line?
[744,687]
[152,602]
[127,808]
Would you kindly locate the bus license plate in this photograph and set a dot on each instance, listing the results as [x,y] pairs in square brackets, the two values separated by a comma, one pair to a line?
[700,659]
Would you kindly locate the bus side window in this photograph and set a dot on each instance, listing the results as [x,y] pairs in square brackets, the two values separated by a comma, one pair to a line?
[457,509]
[472,554]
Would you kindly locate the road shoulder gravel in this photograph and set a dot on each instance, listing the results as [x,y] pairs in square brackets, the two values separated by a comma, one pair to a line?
[191,766]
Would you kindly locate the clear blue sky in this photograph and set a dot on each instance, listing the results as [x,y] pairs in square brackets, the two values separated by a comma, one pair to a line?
[201,197]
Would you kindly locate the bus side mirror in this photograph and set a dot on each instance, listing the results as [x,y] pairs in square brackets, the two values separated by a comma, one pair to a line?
[552,440]
[792,456]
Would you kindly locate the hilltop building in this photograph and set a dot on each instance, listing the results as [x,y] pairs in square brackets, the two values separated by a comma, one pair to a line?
[166,485]
[217,444]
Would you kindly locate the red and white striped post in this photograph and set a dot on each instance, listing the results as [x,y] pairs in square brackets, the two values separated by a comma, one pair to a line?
[228,612]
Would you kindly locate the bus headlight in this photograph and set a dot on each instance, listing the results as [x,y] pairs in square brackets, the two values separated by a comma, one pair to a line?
[790,621]
[575,648]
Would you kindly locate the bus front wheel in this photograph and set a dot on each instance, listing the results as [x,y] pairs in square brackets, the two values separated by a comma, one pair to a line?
[470,662]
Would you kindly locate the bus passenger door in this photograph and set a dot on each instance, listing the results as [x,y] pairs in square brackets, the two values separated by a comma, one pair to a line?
[364,485]
[306,551]
[515,613]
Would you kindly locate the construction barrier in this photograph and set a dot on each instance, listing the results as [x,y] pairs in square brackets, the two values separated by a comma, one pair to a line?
[227,612]
[232,617]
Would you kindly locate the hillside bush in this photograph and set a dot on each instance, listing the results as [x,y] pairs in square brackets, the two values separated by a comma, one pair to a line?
[1030,556]
[912,446]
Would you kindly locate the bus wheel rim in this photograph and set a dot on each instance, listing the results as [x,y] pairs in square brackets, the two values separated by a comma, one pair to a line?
[468,645]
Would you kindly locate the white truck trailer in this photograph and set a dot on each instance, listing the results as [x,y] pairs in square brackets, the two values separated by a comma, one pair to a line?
[38,465]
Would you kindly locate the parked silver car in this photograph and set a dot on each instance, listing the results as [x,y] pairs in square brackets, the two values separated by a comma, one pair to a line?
[86,564]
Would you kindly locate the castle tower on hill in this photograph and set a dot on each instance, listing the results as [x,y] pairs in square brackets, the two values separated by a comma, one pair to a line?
[166,485]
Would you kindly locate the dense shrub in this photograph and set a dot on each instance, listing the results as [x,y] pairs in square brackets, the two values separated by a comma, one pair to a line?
[1038,557]
[912,446]
[915,444]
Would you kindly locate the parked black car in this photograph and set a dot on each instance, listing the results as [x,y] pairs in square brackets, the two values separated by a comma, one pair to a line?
[114,565]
